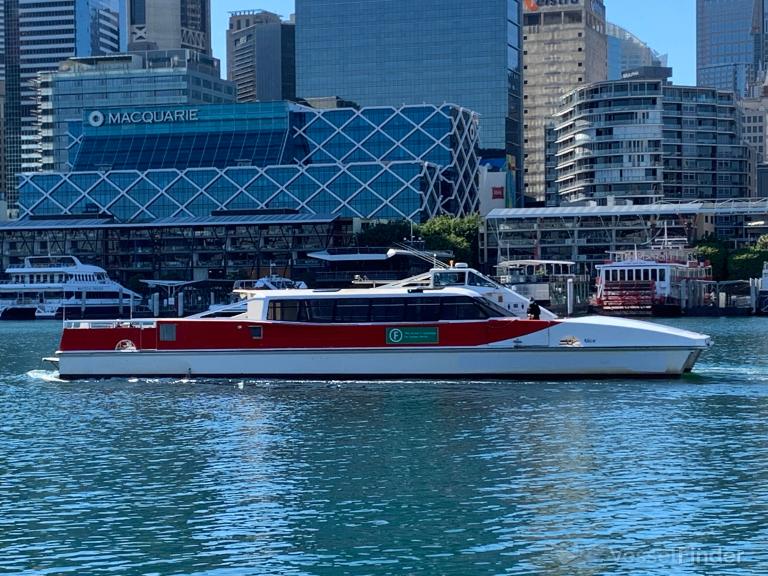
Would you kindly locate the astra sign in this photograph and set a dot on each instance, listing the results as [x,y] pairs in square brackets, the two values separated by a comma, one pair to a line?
[534,5]
[98,118]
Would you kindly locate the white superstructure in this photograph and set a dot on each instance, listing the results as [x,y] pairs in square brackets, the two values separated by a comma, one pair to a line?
[62,287]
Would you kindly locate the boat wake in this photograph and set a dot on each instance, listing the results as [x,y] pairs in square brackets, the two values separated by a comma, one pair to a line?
[44,375]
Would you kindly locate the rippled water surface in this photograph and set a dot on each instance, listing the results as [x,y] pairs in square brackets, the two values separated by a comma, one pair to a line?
[257,477]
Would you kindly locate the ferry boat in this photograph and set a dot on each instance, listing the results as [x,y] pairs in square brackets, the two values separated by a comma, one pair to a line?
[652,282]
[48,287]
[453,327]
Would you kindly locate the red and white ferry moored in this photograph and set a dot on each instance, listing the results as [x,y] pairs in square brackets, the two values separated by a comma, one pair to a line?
[457,324]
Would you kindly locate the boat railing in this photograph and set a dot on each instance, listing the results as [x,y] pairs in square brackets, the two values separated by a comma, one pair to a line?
[109,324]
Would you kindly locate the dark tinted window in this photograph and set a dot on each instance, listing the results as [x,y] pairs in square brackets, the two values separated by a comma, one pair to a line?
[286,311]
[387,310]
[461,308]
[352,310]
[422,310]
[405,309]
[321,310]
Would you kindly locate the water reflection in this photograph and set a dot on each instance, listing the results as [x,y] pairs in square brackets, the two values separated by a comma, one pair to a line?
[260,477]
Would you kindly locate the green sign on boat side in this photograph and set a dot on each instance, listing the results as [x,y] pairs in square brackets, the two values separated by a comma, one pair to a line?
[412,335]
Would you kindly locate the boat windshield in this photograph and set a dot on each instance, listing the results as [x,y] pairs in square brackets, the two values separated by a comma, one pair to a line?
[477,280]
[451,278]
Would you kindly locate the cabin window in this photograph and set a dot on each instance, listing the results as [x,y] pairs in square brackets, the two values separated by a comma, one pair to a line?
[167,332]
[352,310]
[286,311]
[321,310]
[646,274]
[387,310]
[461,308]
[662,274]
[622,275]
[422,310]
[257,333]
[360,310]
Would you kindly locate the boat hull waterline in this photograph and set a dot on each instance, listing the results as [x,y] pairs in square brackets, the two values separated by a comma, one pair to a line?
[583,347]
[382,364]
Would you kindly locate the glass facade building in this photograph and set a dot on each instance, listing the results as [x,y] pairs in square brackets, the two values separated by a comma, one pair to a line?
[39,35]
[431,51]
[156,78]
[412,162]
[626,51]
[730,38]
[170,25]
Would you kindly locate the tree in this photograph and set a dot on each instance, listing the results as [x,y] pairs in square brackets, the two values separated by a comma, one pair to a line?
[762,243]
[717,255]
[746,264]
[461,235]
[385,234]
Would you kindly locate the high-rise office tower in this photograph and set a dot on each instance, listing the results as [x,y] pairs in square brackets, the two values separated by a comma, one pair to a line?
[169,25]
[2,40]
[730,43]
[564,46]
[261,57]
[465,52]
[138,79]
[39,35]
[626,51]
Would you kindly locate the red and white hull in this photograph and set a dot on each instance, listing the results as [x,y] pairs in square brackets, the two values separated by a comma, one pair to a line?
[495,348]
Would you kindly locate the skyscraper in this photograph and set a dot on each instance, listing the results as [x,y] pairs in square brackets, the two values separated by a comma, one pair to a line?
[565,46]
[139,79]
[261,57]
[627,51]
[730,43]
[170,25]
[465,52]
[39,35]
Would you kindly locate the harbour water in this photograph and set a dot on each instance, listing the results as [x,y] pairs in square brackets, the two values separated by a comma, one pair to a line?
[328,478]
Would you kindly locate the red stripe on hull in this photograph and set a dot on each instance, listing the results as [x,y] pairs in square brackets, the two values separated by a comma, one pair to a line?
[237,335]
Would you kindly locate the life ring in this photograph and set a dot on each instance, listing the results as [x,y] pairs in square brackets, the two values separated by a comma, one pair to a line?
[125,346]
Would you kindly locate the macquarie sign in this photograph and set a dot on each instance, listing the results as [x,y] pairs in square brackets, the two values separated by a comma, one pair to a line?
[98,118]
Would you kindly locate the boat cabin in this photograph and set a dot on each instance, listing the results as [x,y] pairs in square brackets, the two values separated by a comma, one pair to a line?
[533,271]
[364,306]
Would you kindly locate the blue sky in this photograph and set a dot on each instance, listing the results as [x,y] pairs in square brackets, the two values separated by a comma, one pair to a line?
[668,26]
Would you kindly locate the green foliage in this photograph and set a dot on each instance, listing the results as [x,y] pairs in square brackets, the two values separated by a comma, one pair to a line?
[461,235]
[746,264]
[717,254]
[385,234]
[762,243]
[449,233]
